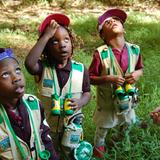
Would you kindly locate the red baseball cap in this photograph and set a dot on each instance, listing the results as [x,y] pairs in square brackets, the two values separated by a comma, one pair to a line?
[58,17]
[114,12]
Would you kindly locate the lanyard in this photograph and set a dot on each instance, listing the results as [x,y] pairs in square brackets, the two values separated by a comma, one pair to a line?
[113,59]
[42,154]
[4,114]
[32,121]
[129,58]
[54,82]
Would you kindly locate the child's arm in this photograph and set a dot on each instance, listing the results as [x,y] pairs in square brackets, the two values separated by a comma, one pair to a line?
[98,80]
[134,76]
[32,60]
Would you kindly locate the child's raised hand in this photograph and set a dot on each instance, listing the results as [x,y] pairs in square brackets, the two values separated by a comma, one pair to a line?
[51,29]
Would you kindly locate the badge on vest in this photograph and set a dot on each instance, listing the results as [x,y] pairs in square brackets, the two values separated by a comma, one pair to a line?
[4,143]
[48,83]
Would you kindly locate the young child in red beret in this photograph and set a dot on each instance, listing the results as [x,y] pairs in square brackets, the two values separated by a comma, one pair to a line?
[63,84]
[24,133]
[115,68]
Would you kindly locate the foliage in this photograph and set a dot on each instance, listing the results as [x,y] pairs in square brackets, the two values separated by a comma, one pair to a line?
[128,2]
[64,4]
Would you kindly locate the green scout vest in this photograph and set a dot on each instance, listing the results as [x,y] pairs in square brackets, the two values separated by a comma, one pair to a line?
[110,66]
[49,85]
[75,82]
[11,150]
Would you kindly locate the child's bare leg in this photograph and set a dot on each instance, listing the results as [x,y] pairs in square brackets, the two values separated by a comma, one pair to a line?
[100,135]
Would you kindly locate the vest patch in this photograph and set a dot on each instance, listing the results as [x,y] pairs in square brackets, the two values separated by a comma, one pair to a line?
[135,50]
[48,83]
[32,102]
[104,54]
[4,143]
[77,66]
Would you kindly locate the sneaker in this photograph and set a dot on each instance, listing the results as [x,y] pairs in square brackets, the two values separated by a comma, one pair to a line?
[99,152]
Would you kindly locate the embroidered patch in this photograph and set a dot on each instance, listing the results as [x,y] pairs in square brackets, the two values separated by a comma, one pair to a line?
[4,143]
[47,83]
[104,54]
[77,66]
[74,138]
[32,102]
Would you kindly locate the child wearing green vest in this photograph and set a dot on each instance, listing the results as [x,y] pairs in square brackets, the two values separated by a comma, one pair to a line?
[63,84]
[115,68]
[24,133]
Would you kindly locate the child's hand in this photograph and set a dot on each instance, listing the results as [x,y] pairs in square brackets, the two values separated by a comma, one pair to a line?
[118,80]
[133,77]
[75,103]
[155,115]
[51,29]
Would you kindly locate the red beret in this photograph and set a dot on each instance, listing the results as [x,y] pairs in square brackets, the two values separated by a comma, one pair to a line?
[58,17]
[114,12]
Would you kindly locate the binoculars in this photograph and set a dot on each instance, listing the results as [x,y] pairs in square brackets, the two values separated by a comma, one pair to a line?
[123,93]
[56,105]
[128,89]
[67,108]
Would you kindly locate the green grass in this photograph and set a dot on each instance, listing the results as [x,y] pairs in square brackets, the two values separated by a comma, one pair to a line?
[141,29]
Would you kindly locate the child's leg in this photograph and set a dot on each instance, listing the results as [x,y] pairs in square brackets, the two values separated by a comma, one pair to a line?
[130,117]
[100,135]
[125,127]
[99,142]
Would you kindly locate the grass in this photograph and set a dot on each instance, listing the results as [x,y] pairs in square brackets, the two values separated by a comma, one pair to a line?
[141,29]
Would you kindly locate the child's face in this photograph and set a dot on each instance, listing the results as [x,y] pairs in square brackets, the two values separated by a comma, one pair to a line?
[11,80]
[59,47]
[112,26]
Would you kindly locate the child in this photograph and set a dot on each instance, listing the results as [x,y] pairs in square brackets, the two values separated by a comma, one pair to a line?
[115,65]
[59,78]
[24,133]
